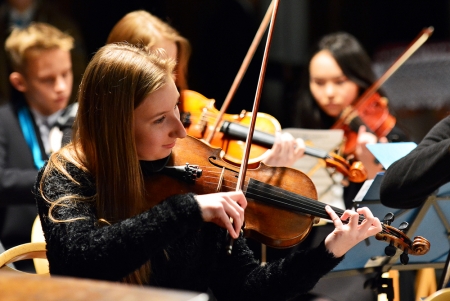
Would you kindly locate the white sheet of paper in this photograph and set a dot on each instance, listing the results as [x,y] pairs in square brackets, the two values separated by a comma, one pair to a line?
[329,140]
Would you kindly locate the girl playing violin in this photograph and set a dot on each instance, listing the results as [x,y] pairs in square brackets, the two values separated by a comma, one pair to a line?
[96,219]
[339,72]
[141,27]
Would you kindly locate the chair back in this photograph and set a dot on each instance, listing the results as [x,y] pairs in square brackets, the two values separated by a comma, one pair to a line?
[22,252]
[440,295]
[37,235]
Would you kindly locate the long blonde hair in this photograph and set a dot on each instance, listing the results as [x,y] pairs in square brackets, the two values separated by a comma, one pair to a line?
[142,28]
[116,81]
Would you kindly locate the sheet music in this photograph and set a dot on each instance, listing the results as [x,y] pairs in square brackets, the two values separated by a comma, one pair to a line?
[329,187]
[388,153]
[362,192]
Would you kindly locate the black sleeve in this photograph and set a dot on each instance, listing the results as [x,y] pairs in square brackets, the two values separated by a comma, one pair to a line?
[81,248]
[409,181]
[16,182]
[241,279]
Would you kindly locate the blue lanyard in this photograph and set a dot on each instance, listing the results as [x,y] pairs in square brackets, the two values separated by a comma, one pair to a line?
[26,123]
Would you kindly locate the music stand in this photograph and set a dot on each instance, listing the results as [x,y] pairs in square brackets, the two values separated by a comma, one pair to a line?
[369,257]
[430,221]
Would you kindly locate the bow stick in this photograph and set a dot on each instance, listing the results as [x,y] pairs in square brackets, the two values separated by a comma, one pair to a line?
[243,168]
[237,80]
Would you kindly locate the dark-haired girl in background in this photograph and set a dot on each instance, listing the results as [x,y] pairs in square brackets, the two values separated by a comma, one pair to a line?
[340,71]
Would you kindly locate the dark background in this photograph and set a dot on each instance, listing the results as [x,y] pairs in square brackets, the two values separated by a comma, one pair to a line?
[221,31]
[374,23]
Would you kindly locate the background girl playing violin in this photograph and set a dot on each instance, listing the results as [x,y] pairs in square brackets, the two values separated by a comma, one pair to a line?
[94,212]
[339,72]
[143,28]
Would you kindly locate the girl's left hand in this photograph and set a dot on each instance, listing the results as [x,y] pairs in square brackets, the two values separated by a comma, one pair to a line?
[285,151]
[346,236]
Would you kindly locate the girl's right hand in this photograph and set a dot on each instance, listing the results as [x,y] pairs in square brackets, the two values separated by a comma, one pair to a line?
[219,207]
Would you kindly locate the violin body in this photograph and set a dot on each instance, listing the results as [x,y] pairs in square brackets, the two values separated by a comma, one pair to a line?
[373,113]
[202,114]
[269,224]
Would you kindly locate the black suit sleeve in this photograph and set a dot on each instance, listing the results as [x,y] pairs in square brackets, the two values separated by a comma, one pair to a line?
[17,172]
[409,181]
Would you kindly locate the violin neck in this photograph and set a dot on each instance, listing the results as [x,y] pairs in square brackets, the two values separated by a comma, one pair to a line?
[317,153]
[240,132]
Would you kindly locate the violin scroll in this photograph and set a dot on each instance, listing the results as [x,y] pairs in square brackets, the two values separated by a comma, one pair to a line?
[355,172]
[397,239]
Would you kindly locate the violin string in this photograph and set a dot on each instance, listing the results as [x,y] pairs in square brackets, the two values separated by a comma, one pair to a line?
[315,207]
[289,199]
[205,116]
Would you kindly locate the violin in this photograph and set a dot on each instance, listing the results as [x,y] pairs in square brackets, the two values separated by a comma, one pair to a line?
[282,202]
[373,114]
[371,110]
[199,113]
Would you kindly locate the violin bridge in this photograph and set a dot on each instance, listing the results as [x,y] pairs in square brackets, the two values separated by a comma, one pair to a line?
[203,123]
[219,185]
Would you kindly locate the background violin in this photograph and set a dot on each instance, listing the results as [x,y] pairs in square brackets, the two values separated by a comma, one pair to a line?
[199,113]
[371,109]
[282,202]
[373,114]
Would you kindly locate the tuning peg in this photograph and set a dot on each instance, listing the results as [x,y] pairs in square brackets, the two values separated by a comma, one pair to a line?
[388,218]
[390,250]
[404,258]
[404,226]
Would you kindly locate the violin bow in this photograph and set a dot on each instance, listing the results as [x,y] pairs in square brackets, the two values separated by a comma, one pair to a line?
[414,45]
[244,66]
[248,144]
